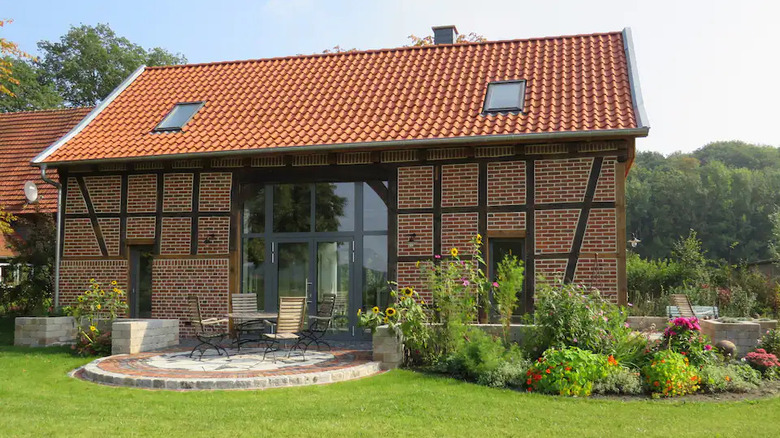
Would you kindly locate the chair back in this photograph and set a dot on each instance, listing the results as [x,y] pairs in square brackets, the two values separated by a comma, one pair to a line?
[291,313]
[325,309]
[193,305]
[683,305]
[244,303]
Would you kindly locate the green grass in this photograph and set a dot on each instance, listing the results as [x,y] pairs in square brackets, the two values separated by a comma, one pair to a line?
[38,399]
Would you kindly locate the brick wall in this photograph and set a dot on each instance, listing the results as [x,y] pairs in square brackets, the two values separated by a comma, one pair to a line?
[561,180]
[410,275]
[80,239]
[174,279]
[506,221]
[605,188]
[177,196]
[600,273]
[109,227]
[141,227]
[415,187]
[104,192]
[74,201]
[142,193]
[458,230]
[422,226]
[175,235]
[75,276]
[459,185]
[506,183]
[217,231]
[551,269]
[600,235]
[215,191]
[554,230]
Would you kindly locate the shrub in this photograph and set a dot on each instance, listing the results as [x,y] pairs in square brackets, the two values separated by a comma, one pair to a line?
[91,306]
[484,359]
[647,281]
[619,380]
[761,360]
[729,378]
[510,280]
[668,375]
[683,335]
[569,371]
[771,342]
[627,347]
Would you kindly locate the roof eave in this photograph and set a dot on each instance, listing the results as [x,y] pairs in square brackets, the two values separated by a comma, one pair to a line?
[479,140]
[39,159]
[633,79]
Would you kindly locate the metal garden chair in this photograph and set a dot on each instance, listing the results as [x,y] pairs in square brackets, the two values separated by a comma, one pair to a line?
[288,325]
[319,324]
[205,329]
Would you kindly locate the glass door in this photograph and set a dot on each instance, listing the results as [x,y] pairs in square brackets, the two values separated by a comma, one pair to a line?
[334,278]
[293,270]
[140,297]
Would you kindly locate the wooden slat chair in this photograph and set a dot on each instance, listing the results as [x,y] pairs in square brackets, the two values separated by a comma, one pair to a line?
[245,328]
[683,305]
[319,324]
[205,329]
[288,326]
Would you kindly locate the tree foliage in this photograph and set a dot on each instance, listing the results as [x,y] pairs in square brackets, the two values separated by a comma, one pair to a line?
[725,191]
[471,37]
[9,51]
[35,262]
[88,62]
[29,93]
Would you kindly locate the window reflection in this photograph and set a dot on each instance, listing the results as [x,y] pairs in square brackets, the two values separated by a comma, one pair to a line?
[375,289]
[254,269]
[374,208]
[292,208]
[334,207]
[254,208]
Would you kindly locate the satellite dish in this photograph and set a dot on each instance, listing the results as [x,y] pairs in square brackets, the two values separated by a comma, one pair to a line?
[31,192]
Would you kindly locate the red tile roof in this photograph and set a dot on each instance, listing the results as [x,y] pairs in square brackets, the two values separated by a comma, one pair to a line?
[24,135]
[575,84]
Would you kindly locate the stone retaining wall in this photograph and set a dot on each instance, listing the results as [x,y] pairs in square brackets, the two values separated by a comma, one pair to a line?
[744,335]
[129,336]
[44,331]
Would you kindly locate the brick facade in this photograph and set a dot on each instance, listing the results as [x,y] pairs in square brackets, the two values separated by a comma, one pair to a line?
[506,183]
[141,227]
[213,235]
[175,235]
[421,225]
[554,230]
[415,187]
[215,191]
[459,184]
[104,192]
[458,230]
[80,239]
[75,276]
[177,192]
[561,180]
[142,193]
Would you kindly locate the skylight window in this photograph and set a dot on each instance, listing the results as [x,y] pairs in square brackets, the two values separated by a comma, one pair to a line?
[179,116]
[505,96]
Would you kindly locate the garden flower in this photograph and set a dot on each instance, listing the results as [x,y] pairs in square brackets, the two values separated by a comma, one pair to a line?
[99,307]
[479,239]
[630,305]
[627,325]
[92,328]
[437,256]
[454,252]
[708,347]
[375,310]
[390,311]
[417,264]
[495,284]
[466,282]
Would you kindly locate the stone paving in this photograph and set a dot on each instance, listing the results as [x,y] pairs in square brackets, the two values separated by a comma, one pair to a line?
[174,369]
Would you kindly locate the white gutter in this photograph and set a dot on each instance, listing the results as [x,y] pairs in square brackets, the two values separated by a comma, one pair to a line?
[57,243]
[633,79]
[91,116]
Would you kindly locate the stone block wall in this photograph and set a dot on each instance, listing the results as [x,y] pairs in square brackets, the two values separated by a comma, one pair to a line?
[136,336]
[44,331]
[744,335]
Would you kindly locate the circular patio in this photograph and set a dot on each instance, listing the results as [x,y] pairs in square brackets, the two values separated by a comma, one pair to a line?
[175,370]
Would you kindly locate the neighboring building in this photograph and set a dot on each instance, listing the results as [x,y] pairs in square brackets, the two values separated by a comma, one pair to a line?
[331,174]
[23,135]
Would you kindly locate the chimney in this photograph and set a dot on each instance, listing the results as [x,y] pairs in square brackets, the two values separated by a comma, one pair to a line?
[444,34]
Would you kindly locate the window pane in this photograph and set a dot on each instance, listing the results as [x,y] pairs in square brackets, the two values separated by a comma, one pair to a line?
[375,288]
[374,210]
[254,208]
[505,96]
[292,208]
[254,270]
[333,260]
[179,116]
[334,207]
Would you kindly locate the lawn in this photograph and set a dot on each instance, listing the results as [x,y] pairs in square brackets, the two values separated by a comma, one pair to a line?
[37,398]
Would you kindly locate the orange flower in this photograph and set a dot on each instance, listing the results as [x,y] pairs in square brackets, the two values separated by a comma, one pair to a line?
[548,371]
[728,379]
[656,383]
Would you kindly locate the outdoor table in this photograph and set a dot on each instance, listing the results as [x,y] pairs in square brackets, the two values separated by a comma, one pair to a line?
[253,316]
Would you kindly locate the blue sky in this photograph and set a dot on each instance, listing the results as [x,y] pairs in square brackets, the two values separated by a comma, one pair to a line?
[708,68]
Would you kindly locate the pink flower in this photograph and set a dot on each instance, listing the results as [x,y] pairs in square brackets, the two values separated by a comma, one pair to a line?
[626,325]
[574,340]
[708,347]
[437,256]
[495,284]
[630,305]
[466,282]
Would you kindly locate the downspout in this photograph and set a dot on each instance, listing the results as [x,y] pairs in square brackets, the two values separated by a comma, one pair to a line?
[59,233]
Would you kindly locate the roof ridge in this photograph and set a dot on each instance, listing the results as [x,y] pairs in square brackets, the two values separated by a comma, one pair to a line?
[384,50]
[45,110]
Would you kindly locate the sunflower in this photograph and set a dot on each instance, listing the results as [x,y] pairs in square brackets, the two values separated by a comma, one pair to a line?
[102,293]
[454,252]
[360,311]
[408,291]
[386,320]
[113,283]
[375,310]
[417,264]
[93,328]
[99,307]
[479,239]
[390,311]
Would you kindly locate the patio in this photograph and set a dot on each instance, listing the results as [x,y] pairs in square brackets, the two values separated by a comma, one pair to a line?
[173,369]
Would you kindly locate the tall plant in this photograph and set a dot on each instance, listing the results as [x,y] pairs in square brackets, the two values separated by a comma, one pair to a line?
[510,273]
[92,306]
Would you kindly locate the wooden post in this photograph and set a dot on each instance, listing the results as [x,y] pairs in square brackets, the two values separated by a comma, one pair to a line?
[620,210]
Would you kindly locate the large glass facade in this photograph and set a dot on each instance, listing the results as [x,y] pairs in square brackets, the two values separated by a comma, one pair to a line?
[316,240]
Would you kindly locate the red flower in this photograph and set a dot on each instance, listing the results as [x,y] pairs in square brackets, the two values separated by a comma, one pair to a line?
[548,371]
[528,382]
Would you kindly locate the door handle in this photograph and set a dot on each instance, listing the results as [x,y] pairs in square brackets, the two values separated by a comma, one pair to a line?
[308,297]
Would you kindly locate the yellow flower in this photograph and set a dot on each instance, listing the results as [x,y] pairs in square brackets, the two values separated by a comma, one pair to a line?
[81,298]
[113,283]
[386,320]
[417,264]
[390,311]
[99,307]
[93,328]
[375,310]
[408,291]
[360,311]
[454,252]
[479,239]
[102,293]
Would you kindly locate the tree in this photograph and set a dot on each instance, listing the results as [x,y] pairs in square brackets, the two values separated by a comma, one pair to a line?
[34,261]
[29,93]
[462,38]
[89,62]
[9,50]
